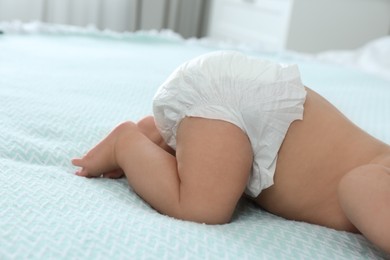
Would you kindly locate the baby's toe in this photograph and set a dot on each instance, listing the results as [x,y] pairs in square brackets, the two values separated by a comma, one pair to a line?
[83,173]
[77,162]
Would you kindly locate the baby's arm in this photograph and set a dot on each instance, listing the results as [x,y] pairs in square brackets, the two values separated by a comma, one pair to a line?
[364,195]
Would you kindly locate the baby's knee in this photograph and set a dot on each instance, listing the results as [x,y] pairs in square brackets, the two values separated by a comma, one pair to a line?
[148,127]
[125,127]
[146,123]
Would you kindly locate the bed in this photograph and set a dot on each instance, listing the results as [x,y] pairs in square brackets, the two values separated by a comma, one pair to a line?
[64,88]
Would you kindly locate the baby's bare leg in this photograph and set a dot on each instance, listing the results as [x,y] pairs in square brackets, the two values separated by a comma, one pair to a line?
[202,183]
[100,161]
[364,195]
[148,127]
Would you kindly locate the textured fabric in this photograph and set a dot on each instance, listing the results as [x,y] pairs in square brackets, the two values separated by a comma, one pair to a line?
[260,97]
[61,92]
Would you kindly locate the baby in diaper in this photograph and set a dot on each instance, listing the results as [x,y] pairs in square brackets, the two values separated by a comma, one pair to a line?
[227,125]
[260,97]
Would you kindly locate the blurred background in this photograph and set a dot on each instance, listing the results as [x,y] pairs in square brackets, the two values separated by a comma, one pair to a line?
[309,26]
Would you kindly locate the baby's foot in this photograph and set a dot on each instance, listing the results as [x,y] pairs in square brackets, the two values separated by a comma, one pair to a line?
[93,165]
[100,160]
[116,174]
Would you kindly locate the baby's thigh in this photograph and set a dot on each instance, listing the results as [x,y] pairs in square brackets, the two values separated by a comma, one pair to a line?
[214,161]
[364,195]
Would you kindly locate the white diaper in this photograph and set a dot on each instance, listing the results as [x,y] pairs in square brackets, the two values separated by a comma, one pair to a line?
[261,97]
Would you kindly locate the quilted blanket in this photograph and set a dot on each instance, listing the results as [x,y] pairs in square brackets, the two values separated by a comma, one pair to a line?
[62,89]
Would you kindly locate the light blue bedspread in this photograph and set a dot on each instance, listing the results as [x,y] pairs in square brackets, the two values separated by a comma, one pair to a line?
[61,92]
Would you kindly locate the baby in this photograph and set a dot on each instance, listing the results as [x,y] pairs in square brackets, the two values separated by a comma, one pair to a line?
[226,125]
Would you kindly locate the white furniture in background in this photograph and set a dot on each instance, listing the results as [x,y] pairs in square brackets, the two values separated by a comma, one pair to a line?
[300,25]
[262,21]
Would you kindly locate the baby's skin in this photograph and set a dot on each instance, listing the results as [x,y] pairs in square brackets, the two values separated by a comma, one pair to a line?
[329,172]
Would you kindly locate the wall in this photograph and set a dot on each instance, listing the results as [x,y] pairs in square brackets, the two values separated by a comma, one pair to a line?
[182,16]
